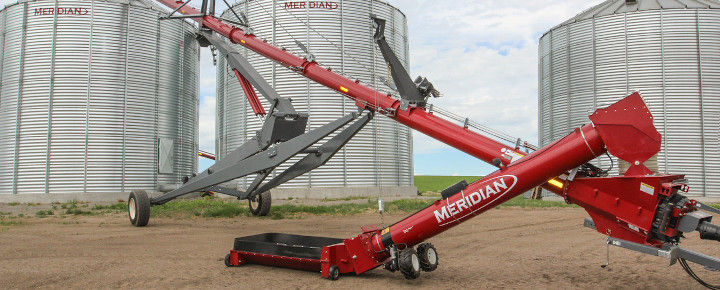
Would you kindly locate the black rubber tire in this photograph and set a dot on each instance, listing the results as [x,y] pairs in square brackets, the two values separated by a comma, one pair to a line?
[139,208]
[428,257]
[409,263]
[264,200]
[227,261]
[334,273]
[391,266]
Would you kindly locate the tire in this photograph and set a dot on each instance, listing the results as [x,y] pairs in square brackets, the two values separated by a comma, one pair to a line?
[139,208]
[391,266]
[227,261]
[334,273]
[428,257]
[263,201]
[409,263]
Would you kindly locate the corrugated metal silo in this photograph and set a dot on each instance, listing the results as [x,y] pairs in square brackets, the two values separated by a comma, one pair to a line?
[668,50]
[97,98]
[380,156]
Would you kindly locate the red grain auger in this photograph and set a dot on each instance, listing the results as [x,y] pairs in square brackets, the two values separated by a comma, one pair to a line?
[638,210]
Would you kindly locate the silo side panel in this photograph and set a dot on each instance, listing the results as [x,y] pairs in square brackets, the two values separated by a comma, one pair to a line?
[107,98]
[709,28]
[169,95]
[142,58]
[35,101]
[582,69]
[545,87]
[682,97]
[69,101]
[560,82]
[12,18]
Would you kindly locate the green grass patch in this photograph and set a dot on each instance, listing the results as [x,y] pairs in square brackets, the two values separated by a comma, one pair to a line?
[428,184]
[216,208]
[44,213]
[14,203]
[120,206]
[343,198]
[519,201]
[78,211]
[5,222]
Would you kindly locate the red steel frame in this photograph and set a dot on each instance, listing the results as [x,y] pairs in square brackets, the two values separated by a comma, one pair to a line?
[622,129]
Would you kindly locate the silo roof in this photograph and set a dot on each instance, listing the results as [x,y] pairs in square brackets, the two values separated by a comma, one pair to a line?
[611,7]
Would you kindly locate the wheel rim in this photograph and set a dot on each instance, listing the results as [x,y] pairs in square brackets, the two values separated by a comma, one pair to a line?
[431,256]
[131,208]
[254,202]
[415,263]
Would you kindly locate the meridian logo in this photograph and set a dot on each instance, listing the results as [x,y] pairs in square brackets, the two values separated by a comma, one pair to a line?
[491,189]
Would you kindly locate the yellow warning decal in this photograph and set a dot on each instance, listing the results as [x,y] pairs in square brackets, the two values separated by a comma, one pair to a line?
[385,231]
[243,41]
[344,89]
[647,188]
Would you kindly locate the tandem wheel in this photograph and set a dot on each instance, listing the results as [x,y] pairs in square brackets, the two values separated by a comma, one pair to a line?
[334,273]
[139,208]
[260,204]
[428,257]
[409,263]
[227,261]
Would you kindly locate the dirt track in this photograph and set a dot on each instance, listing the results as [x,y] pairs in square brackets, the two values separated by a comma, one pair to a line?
[509,247]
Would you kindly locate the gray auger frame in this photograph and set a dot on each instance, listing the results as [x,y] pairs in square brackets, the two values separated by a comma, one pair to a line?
[281,137]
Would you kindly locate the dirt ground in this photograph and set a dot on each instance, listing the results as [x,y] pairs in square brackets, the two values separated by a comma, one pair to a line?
[507,247]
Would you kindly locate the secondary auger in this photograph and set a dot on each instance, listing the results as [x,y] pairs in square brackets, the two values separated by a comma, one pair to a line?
[638,210]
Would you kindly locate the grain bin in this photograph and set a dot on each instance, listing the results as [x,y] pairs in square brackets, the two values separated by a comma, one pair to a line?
[668,50]
[97,98]
[379,158]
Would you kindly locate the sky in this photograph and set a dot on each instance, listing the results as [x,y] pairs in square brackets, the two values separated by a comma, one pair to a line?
[482,55]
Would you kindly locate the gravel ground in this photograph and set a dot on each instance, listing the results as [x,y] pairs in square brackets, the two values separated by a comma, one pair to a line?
[507,247]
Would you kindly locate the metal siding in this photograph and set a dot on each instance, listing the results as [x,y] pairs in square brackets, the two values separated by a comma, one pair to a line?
[12,18]
[69,101]
[709,28]
[90,102]
[671,56]
[381,154]
[545,85]
[682,97]
[581,74]
[35,103]
[560,81]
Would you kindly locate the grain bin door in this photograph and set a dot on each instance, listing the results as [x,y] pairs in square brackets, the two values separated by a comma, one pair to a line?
[166,157]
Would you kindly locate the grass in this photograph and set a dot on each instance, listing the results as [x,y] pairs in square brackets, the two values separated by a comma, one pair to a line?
[343,198]
[5,222]
[213,208]
[519,201]
[120,206]
[44,213]
[209,207]
[434,184]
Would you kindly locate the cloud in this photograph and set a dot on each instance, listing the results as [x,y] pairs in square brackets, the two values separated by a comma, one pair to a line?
[483,56]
